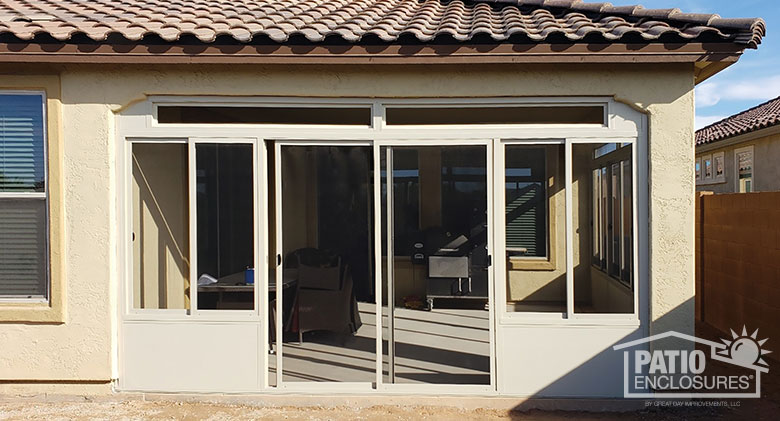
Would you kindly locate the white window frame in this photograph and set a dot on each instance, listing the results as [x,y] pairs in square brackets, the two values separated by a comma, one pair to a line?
[749,149]
[722,177]
[700,172]
[701,178]
[704,160]
[36,195]
[140,314]
[623,124]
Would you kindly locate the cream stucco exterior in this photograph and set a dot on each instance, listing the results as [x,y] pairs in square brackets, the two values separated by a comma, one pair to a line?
[82,349]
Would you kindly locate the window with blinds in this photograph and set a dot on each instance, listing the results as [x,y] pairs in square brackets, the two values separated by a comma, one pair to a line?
[526,201]
[23,221]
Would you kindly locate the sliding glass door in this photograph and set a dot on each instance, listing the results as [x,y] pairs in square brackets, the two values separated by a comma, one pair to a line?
[435,260]
[324,311]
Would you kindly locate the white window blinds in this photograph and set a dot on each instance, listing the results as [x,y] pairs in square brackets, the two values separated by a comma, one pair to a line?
[23,245]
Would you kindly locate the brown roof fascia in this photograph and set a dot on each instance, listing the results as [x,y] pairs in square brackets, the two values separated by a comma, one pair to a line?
[369,54]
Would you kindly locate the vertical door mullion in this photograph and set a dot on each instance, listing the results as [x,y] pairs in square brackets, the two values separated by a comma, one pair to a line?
[261,259]
[569,234]
[491,278]
[500,273]
[127,288]
[635,225]
[500,224]
[193,213]
[277,261]
[378,261]
[390,266]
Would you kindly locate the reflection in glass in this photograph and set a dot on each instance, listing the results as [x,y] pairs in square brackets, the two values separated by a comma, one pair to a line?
[435,323]
[603,222]
[535,228]
[225,201]
[328,289]
[160,226]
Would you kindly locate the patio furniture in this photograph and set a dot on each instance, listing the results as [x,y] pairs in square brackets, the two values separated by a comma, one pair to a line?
[324,297]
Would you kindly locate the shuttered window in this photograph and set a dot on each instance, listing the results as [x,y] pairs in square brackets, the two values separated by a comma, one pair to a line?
[526,201]
[23,221]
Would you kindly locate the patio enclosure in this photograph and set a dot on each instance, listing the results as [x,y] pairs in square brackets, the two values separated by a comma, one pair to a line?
[415,245]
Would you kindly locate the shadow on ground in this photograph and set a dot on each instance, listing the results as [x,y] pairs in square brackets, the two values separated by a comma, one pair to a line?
[766,408]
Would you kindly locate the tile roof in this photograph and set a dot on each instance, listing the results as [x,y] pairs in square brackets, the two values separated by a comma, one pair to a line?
[362,21]
[757,118]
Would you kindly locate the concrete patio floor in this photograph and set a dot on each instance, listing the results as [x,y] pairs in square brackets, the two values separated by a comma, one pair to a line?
[443,346]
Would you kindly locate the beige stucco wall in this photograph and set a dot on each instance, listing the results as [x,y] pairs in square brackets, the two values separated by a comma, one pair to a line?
[81,348]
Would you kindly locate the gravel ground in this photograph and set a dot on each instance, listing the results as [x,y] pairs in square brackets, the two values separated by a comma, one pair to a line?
[135,410]
[166,410]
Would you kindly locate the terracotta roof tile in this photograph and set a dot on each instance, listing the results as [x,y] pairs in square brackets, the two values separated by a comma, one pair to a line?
[353,20]
[757,118]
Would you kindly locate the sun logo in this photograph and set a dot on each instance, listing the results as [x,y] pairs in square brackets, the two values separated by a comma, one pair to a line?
[745,350]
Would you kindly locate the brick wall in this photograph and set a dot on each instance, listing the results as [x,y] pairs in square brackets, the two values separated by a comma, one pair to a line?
[738,262]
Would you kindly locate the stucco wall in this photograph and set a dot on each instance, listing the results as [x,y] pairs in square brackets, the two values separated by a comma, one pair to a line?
[766,172]
[81,348]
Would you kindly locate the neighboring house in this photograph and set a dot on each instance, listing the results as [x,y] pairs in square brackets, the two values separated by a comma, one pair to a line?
[739,154]
[264,196]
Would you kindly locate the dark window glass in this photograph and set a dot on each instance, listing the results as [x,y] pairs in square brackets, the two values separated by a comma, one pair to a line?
[495,115]
[264,115]
[225,218]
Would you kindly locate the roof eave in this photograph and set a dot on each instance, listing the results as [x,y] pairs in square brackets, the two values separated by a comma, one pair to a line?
[739,138]
[715,54]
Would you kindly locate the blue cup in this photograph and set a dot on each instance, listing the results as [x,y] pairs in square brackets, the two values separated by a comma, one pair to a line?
[249,276]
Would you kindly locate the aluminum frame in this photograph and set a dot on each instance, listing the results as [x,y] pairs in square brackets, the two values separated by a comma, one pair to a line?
[146,130]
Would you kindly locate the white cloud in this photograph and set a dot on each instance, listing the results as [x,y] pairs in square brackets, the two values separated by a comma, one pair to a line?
[711,93]
[707,94]
[706,120]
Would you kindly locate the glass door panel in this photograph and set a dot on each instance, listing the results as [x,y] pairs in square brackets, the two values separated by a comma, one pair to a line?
[326,327]
[225,226]
[160,236]
[436,326]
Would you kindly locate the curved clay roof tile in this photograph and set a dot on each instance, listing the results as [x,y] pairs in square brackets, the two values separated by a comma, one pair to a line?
[351,20]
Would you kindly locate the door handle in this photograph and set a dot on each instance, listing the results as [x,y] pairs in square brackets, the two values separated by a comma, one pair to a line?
[278,260]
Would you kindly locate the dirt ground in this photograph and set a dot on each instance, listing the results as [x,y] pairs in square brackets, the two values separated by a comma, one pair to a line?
[138,409]
[766,408]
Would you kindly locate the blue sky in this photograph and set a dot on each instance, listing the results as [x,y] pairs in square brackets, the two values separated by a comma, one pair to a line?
[752,80]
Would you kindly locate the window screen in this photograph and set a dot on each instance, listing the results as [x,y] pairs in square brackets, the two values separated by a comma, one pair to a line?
[23,251]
